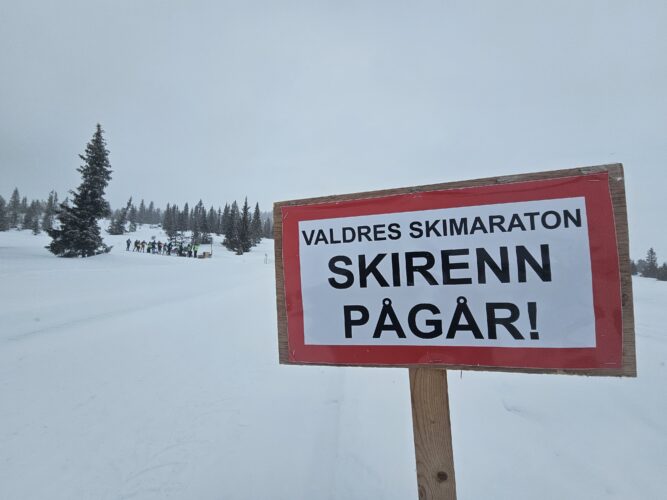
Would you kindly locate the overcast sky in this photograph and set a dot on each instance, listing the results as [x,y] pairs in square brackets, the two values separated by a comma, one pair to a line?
[278,100]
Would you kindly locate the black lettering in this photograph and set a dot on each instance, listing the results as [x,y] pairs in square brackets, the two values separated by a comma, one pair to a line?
[497,221]
[575,219]
[364,232]
[556,222]
[531,217]
[430,228]
[478,225]
[396,269]
[321,237]
[378,232]
[501,271]
[543,270]
[416,229]
[394,231]
[462,309]
[447,267]
[458,229]
[349,322]
[306,238]
[492,320]
[349,277]
[516,222]
[394,325]
[332,238]
[435,324]
[411,267]
[365,271]
[348,234]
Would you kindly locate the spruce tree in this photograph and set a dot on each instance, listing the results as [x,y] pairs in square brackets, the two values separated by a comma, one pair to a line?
[4,218]
[212,220]
[79,233]
[50,211]
[651,270]
[141,216]
[14,208]
[245,236]
[218,223]
[256,226]
[232,230]
[225,220]
[24,205]
[150,213]
[196,222]
[132,217]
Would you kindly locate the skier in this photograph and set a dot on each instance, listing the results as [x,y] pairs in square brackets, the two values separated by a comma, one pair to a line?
[195,249]
[143,246]
[128,242]
[137,246]
[159,247]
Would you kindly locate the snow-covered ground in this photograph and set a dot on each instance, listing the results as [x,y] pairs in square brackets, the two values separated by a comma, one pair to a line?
[148,377]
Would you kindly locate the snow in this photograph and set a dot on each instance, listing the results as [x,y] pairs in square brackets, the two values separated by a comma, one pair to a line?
[142,376]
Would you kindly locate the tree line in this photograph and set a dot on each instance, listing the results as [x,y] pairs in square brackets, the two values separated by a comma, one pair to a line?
[37,215]
[76,232]
[648,267]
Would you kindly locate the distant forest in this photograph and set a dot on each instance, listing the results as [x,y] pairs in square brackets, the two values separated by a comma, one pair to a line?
[241,226]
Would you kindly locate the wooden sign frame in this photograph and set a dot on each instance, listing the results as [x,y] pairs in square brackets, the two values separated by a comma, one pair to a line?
[617,193]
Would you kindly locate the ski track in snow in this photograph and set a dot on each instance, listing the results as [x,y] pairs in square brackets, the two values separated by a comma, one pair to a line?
[151,377]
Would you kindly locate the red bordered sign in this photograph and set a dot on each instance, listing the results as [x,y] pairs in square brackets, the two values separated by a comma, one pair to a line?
[527,272]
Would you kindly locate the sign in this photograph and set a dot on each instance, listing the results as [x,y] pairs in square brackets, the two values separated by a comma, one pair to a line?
[527,272]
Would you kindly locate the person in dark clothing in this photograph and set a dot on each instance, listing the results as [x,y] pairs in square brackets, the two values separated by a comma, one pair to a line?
[128,242]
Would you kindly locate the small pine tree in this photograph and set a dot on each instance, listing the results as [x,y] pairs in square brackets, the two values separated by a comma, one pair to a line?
[150,213]
[232,230]
[212,220]
[225,220]
[218,223]
[141,216]
[4,218]
[651,270]
[79,234]
[24,205]
[50,211]
[256,226]
[14,209]
[132,217]
[245,236]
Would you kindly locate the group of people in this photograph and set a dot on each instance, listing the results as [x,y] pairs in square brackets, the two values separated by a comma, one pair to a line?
[167,248]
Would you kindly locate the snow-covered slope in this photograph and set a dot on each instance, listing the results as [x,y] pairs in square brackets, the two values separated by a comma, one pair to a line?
[148,377]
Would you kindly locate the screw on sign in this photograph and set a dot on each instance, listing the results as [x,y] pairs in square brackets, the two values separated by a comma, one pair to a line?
[526,273]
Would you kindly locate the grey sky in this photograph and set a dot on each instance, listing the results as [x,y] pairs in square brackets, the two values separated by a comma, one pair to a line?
[280,99]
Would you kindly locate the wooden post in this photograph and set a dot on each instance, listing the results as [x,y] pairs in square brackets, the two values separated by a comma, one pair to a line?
[432,434]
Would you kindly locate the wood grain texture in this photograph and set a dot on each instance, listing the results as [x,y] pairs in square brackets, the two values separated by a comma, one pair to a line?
[432,434]
[617,190]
